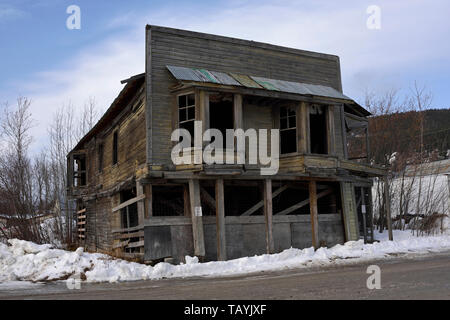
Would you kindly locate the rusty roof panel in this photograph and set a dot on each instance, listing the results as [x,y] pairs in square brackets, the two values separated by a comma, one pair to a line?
[246,81]
[225,78]
[203,75]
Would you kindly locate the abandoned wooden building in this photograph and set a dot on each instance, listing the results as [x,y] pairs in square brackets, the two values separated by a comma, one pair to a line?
[132,200]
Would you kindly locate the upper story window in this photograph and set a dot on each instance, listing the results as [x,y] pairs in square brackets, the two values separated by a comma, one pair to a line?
[115,148]
[186,113]
[79,170]
[288,130]
[318,131]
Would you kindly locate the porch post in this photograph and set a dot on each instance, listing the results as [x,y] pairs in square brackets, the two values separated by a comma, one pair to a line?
[196,217]
[220,221]
[270,247]
[313,212]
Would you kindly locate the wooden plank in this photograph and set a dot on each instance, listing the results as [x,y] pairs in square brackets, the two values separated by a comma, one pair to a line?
[314,214]
[81,223]
[128,202]
[139,227]
[303,203]
[136,244]
[129,235]
[81,211]
[261,203]
[363,213]
[237,111]
[270,247]
[81,217]
[220,221]
[196,217]
[140,204]
[120,244]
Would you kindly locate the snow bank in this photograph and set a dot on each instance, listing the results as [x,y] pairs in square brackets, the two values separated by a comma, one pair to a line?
[23,260]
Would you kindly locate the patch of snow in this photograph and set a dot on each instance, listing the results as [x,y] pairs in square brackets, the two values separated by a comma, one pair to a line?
[23,260]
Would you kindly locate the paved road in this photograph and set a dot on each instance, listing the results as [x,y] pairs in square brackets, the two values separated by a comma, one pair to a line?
[406,277]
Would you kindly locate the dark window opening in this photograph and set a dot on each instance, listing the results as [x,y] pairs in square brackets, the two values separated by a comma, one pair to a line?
[240,198]
[79,172]
[288,130]
[129,214]
[221,113]
[115,155]
[168,201]
[186,113]
[318,129]
[100,158]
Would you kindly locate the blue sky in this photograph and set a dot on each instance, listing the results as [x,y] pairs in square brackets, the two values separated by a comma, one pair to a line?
[43,60]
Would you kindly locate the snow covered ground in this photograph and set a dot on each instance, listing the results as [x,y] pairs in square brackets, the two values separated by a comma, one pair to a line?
[26,261]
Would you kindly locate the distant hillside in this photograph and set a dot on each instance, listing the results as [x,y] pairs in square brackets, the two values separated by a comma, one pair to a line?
[400,132]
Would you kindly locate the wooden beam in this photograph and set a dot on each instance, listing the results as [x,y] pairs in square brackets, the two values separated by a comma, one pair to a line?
[196,216]
[220,221]
[261,203]
[140,204]
[237,111]
[128,202]
[267,195]
[303,203]
[363,213]
[314,214]
[387,205]
[149,202]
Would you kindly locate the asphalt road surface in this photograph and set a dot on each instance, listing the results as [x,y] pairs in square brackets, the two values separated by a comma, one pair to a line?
[404,277]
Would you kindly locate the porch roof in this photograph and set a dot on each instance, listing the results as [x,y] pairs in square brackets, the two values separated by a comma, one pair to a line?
[198,75]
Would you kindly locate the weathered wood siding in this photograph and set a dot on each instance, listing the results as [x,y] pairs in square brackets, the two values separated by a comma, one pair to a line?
[131,150]
[166,46]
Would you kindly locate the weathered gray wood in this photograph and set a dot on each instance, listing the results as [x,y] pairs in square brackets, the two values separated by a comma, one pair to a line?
[128,202]
[196,216]
[237,111]
[220,216]
[268,215]
[303,203]
[363,214]
[387,205]
[314,213]
[140,204]
[261,203]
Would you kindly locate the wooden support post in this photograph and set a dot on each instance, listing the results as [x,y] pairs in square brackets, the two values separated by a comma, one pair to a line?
[149,201]
[140,204]
[237,111]
[367,143]
[220,221]
[330,130]
[314,214]
[363,213]
[267,194]
[387,205]
[196,216]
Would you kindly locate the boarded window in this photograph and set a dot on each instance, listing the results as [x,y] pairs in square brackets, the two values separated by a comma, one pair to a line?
[186,113]
[115,148]
[288,130]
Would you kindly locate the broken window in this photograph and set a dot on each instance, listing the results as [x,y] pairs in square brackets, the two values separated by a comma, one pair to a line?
[115,155]
[288,130]
[100,157]
[129,214]
[79,171]
[186,113]
[318,129]
[221,113]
